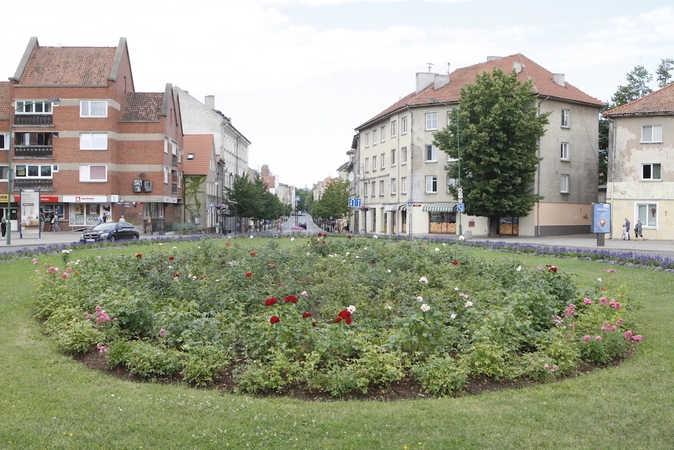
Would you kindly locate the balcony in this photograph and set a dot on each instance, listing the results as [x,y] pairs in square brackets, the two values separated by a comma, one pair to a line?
[34,151]
[34,120]
[33,184]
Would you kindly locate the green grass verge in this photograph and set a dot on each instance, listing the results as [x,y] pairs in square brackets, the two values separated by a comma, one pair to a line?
[49,401]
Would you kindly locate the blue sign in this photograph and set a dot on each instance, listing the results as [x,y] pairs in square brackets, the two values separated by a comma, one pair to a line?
[297,198]
[601,218]
[461,207]
[355,202]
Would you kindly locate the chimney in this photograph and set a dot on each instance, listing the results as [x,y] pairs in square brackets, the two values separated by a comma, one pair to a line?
[558,78]
[517,66]
[424,79]
[493,58]
[441,81]
[209,101]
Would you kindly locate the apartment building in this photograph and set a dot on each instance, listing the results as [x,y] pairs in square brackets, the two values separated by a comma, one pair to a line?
[641,161]
[76,132]
[400,175]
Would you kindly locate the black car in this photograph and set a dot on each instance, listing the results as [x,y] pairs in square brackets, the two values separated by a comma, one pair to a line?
[110,231]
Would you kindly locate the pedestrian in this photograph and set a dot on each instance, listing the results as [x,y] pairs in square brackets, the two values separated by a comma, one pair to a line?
[627,227]
[3,226]
[637,230]
[625,234]
[122,219]
[148,225]
[55,224]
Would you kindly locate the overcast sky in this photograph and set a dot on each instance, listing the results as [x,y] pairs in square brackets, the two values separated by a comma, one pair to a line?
[297,76]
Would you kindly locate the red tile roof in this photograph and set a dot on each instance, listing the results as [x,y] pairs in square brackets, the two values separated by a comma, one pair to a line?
[202,147]
[87,66]
[142,106]
[660,102]
[542,79]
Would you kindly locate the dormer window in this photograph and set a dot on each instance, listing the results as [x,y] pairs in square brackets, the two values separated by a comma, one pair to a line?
[190,156]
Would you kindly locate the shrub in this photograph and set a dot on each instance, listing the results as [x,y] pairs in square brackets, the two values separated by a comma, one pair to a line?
[441,375]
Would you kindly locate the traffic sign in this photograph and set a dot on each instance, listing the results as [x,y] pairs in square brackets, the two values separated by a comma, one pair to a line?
[355,202]
[461,207]
[297,198]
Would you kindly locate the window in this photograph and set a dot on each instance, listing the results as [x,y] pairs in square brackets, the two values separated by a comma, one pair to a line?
[93,141]
[403,155]
[564,151]
[650,171]
[4,141]
[367,165]
[564,185]
[31,107]
[431,184]
[33,138]
[451,182]
[383,133]
[180,180]
[374,163]
[166,145]
[167,173]
[93,108]
[565,118]
[4,170]
[393,186]
[365,188]
[393,129]
[403,185]
[381,187]
[367,140]
[648,213]
[431,153]
[93,173]
[382,160]
[190,156]
[33,171]
[374,189]
[651,133]
[374,137]
[431,121]
[174,148]
[393,157]
[403,125]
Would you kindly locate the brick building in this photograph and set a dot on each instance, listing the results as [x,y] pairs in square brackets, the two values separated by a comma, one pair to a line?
[87,142]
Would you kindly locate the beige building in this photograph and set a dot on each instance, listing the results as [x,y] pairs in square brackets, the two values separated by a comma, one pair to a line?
[641,165]
[400,175]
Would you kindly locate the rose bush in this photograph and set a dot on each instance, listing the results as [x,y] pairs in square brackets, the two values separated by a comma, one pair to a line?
[335,315]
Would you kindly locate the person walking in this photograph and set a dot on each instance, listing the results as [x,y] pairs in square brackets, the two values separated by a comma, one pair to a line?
[638,230]
[627,227]
[3,226]
[55,224]
[148,225]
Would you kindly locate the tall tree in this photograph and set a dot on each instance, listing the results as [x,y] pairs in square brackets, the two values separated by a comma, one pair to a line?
[664,72]
[335,201]
[637,87]
[499,128]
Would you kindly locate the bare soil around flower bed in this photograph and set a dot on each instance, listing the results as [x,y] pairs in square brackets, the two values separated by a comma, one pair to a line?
[405,389]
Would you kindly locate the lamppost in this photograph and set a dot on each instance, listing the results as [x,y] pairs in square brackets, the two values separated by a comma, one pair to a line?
[51,101]
[458,163]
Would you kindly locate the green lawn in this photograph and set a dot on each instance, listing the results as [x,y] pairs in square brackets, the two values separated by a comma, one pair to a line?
[49,401]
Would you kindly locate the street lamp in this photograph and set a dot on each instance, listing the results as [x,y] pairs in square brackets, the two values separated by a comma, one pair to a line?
[9,162]
[458,162]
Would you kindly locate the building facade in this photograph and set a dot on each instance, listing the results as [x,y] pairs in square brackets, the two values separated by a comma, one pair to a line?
[400,175]
[76,132]
[641,164]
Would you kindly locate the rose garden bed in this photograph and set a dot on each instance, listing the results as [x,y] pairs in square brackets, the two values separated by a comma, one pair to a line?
[332,316]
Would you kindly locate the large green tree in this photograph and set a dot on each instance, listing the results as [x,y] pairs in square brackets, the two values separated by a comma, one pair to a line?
[664,72]
[334,203]
[251,199]
[636,87]
[494,134]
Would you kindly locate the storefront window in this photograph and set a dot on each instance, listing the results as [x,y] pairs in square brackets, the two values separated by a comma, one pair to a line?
[443,222]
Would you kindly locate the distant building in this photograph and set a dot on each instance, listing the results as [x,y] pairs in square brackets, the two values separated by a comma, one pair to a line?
[641,157]
[401,178]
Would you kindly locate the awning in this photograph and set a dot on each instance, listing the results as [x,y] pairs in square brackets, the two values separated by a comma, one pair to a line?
[388,208]
[439,207]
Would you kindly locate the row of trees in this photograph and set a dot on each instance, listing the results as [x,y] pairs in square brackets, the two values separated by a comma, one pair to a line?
[250,198]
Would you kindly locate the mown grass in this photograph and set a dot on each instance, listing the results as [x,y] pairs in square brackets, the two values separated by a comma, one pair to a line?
[50,401]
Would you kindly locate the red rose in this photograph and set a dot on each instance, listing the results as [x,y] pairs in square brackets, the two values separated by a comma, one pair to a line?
[344,314]
[291,299]
[320,234]
[249,274]
[306,314]
[274,319]
[252,254]
[138,255]
[455,262]
[176,275]
[349,236]
[338,319]
[171,258]
[553,268]
[348,320]
[270,301]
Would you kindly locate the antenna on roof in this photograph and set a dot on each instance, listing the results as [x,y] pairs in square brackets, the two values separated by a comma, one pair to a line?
[448,66]
[430,66]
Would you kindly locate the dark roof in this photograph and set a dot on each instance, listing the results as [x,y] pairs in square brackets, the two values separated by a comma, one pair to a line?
[543,80]
[69,66]
[660,102]
[143,106]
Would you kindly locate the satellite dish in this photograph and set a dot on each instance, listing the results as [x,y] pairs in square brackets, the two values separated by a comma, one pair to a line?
[351,176]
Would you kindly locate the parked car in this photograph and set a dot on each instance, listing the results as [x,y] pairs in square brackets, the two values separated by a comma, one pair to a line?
[110,231]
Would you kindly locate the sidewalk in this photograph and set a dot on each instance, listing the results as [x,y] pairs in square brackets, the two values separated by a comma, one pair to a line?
[572,241]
